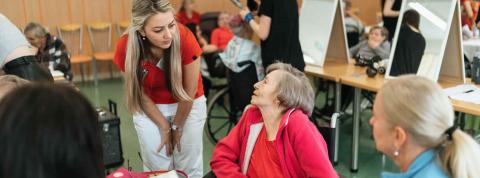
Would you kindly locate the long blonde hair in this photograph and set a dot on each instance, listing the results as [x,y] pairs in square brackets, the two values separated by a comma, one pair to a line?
[419,106]
[142,10]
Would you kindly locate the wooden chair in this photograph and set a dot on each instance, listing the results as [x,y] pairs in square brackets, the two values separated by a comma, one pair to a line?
[101,41]
[122,27]
[72,36]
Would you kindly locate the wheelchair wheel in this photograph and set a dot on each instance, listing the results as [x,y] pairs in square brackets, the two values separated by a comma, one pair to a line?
[221,117]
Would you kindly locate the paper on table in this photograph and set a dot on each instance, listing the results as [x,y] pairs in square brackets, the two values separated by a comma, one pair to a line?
[466,92]
[169,174]
[460,89]
[471,97]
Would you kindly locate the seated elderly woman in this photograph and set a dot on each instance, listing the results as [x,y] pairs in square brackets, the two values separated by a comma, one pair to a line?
[52,52]
[376,44]
[55,140]
[274,137]
[413,124]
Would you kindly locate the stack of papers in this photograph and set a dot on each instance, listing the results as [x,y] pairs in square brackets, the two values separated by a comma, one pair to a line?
[466,92]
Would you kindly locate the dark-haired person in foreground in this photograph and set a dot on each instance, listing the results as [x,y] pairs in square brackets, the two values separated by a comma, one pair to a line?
[61,139]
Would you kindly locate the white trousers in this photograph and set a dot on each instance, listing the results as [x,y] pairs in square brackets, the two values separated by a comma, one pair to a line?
[190,158]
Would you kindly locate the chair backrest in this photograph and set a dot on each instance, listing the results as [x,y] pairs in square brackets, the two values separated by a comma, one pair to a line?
[100,36]
[122,27]
[72,36]
[208,22]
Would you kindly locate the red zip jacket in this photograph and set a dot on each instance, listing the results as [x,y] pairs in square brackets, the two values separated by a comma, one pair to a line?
[301,149]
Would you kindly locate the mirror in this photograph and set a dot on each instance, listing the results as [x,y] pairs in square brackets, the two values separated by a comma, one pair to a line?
[419,43]
[322,34]
[365,42]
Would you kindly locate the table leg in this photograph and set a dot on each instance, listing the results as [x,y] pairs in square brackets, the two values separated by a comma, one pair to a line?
[356,128]
[338,99]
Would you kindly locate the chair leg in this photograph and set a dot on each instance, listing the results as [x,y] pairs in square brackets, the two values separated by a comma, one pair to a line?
[111,70]
[95,79]
[82,72]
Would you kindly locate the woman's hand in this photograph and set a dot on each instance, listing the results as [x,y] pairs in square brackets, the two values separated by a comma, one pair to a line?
[244,12]
[166,141]
[176,136]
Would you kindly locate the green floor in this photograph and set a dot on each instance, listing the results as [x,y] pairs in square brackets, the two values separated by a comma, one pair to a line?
[370,161]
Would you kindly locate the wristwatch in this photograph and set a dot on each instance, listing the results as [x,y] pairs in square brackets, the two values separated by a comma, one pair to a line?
[176,128]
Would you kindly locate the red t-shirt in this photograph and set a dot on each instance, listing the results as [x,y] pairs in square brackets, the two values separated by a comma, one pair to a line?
[183,18]
[221,36]
[155,83]
[264,161]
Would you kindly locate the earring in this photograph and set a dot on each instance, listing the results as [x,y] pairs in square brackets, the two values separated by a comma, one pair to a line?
[396,153]
[143,37]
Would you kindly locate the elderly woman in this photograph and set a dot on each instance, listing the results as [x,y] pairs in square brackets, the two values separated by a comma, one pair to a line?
[413,124]
[274,137]
[376,44]
[52,52]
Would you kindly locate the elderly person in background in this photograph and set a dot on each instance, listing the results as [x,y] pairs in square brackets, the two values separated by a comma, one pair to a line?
[17,57]
[52,52]
[376,44]
[274,137]
[413,124]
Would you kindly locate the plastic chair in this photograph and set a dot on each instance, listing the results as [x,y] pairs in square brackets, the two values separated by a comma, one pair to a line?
[101,41]
[72,36]
[122,27]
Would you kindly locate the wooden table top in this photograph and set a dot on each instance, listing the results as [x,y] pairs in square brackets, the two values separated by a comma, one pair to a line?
[332,71]
[355,76]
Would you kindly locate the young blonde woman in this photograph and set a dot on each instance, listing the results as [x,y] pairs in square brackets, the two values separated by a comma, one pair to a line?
[163,87]
[413,124]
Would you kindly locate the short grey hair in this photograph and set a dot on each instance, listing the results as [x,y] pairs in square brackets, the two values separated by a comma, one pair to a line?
[294,88]
[37,29]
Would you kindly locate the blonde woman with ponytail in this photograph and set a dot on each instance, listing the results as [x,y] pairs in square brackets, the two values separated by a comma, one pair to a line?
[163,87]
[413,124]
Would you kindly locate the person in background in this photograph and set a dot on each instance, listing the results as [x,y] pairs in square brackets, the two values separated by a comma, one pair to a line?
[274,137]
[409,51]
[17,56]
[469,14]
[188,16]
[241,48]
[278,29]
[353,24]
[413,124]
[220,35]
[163,88]
[390,13]
[9,83]
[376,44]
[52,52]
[56,140]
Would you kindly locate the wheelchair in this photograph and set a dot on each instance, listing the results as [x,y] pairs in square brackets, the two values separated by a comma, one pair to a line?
[226,106]
[228,92]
